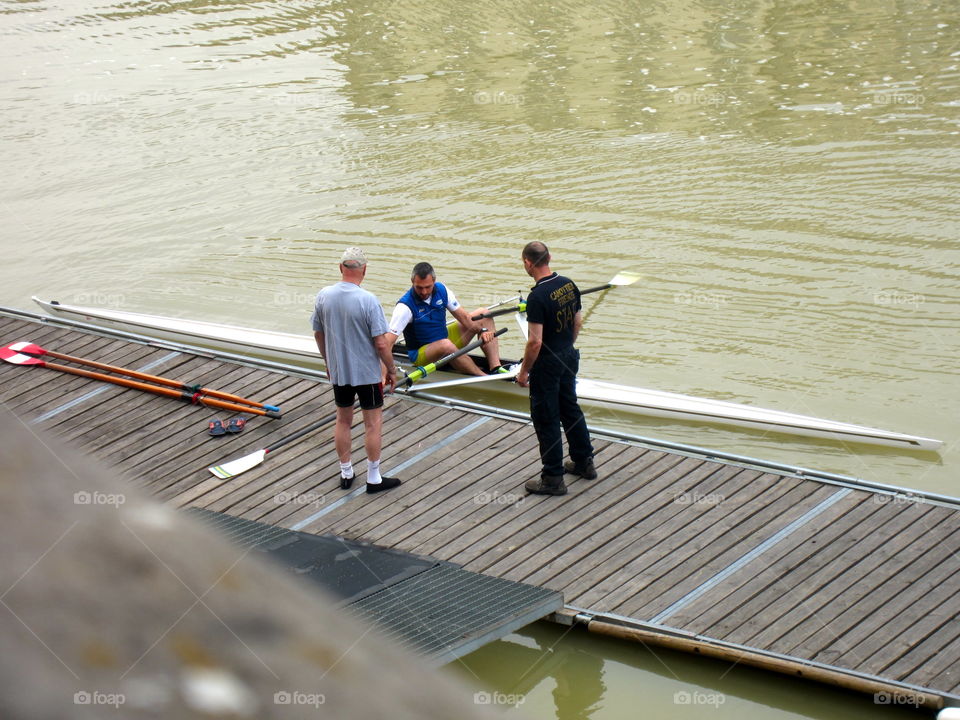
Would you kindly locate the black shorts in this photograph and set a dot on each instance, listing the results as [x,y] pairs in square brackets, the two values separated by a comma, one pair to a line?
[371,396]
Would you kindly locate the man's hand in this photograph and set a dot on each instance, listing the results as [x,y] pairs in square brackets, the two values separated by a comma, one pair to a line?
[389,380]
[523,378]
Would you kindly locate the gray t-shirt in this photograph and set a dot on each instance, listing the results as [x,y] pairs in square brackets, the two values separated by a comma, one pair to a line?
[350,317]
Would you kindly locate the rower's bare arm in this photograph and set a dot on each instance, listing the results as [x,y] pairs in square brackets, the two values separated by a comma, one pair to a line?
[321,346]
[474,326]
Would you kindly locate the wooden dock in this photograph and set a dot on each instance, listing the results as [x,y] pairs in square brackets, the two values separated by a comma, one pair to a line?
[813,575]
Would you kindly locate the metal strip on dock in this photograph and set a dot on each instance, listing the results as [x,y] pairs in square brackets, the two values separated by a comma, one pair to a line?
[391,472]
[746,559]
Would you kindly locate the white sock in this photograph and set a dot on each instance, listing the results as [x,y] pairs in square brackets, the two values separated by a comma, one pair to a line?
[373,472]
[346,469]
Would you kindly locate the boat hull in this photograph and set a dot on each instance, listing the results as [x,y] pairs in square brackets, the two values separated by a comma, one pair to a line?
[301,351]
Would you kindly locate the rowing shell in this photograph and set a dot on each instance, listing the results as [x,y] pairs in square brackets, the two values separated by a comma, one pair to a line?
[301,350]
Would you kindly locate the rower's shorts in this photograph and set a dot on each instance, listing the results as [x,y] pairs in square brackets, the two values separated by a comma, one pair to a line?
[371,396]
[419,356]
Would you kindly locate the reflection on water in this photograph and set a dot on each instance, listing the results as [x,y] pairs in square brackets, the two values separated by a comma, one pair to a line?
[546,671]
[782,175]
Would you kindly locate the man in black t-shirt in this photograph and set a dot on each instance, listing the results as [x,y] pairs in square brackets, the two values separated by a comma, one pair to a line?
[549,369]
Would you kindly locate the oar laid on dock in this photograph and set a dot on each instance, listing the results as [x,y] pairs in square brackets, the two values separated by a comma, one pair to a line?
[16,358]
[235,467]
[29,348]
[618,280]
[422,372]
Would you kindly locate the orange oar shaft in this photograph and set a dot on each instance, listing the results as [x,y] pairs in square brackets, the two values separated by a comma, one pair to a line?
[153,378]
[180,395]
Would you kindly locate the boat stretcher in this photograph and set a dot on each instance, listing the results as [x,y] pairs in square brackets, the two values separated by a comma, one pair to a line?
[301,350]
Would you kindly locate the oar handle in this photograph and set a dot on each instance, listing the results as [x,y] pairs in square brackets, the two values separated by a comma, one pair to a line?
[597,288]
[300,433]
[163,381]
[420,373]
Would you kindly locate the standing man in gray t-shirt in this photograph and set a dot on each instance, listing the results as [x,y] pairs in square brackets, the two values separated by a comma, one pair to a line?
[349,326]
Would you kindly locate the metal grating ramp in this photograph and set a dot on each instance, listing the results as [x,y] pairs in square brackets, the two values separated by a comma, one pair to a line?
[447,612]
[435,608]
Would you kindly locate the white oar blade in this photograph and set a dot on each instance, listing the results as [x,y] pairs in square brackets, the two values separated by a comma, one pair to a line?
[625,278]
[522,323]
[235,467]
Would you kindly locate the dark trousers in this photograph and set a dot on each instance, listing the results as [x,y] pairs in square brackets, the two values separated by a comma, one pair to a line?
[553,403]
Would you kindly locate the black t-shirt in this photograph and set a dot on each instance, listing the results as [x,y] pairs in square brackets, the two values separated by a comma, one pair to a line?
[553,302]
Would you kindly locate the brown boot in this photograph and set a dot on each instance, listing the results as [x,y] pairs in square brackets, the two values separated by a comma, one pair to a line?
[586,470]
[546,485]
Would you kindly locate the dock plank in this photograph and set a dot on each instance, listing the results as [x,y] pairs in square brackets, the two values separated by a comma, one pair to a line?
[735,600]
[587,553]
[810,601]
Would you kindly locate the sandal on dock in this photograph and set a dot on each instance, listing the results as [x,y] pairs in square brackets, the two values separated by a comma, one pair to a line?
[236,425]
[216,428]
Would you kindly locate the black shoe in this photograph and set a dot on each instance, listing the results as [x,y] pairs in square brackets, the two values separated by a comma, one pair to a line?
[346,482]
[385,484]
[546,485]
[586,470]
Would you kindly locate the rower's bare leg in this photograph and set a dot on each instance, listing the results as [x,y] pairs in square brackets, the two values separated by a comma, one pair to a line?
[491,350]
[464,363]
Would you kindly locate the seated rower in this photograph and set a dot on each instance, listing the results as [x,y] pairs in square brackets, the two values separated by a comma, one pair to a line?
[421,316]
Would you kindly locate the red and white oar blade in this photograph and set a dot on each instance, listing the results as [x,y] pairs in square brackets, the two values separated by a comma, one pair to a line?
[235,467]
[27,347]
[13,353]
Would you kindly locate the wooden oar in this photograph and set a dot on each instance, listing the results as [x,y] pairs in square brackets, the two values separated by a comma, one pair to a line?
[422,372]
[235,467]
[620,279]
[29,348]
[20,359]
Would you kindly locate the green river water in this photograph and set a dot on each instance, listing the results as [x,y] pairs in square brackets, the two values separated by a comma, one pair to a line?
[782,175]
